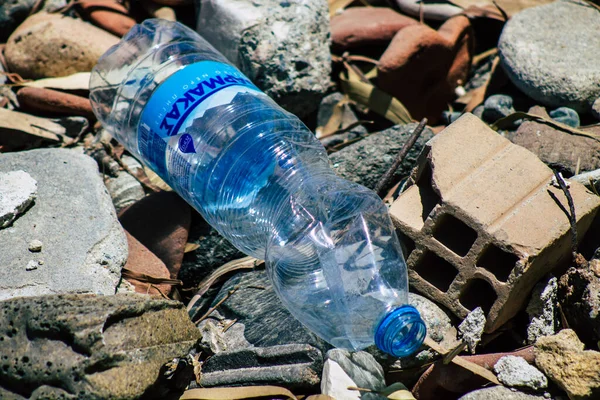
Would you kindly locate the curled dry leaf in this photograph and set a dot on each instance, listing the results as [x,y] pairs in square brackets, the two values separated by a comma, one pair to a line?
[511,7]
[374,98]
[234,393]
[78,81]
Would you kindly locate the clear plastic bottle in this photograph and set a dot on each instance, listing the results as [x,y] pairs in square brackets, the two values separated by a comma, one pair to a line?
[262,179]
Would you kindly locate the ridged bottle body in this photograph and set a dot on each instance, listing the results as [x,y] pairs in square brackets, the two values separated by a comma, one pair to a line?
[256,174]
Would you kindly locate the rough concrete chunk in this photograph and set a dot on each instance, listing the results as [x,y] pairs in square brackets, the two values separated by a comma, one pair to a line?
[17,191]
[515,371]
[88,346]
[282,46]
[541,309]
[84,246]
[562,358]
[483,221]
[471,328]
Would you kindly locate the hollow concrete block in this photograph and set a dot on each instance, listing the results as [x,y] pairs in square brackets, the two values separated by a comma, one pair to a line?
[482,221]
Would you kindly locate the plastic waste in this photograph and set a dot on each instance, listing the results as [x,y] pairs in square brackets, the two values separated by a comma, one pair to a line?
[259,176]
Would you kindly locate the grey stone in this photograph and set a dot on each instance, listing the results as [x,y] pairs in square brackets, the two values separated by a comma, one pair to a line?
[84,244]
[547,51]
[541,310]
[282,46]
[295,366]
[361,367]
[88,346]
[499,393]
[17,191]
[256,340]
[471,328]
[366,161]
[566,115]
[438,323]
[496,107]
[13,12]
[515,371]
[256,307]
[326,110]
[439,329]
[124,189]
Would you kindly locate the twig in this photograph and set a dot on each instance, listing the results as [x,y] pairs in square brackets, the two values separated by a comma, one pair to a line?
[242,263]
[125,167]
[572,217]
[385,180]
[229,325]
[213,308]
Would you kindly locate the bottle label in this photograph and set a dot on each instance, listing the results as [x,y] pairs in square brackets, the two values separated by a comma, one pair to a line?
[174,105]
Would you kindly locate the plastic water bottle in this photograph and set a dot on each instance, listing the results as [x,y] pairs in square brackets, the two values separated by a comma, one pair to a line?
[262,179]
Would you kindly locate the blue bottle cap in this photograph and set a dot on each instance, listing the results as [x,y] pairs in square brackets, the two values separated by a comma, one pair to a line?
[401,332]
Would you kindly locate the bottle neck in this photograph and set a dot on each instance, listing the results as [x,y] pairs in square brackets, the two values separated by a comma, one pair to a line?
[401,332]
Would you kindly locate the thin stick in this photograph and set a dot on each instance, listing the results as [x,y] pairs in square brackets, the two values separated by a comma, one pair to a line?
[213,308]
[572,217]
[385,180]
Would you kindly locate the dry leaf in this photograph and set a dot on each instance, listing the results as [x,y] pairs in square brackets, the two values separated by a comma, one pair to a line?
[336,6]
[19,131]
[234,393]
[157,180]
[511,7]
[334,122]
[319,397]
[79,81]
[190,247]
[374,98]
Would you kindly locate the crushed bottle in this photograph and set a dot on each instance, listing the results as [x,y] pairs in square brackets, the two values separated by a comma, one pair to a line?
[259,176]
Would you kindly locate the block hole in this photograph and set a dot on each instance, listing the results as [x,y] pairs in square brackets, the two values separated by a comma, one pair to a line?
[498,262]
[435,270]
[454,234]
[429,198]
[478,293]
[408,245]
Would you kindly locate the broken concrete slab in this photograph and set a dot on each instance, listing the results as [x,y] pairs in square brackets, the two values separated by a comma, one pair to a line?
[84,246]
[282,46]
[17,190]
[484,221]
[88,346]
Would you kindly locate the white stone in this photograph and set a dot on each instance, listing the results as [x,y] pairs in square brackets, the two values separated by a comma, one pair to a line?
[335,382]
[17,190]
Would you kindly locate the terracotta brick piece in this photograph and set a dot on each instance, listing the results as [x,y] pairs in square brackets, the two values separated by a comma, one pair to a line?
[483,223]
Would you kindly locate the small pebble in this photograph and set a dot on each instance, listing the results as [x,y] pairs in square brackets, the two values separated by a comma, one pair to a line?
[35,246]
[565,115]
[449,117]
[496,107]
[31,265]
